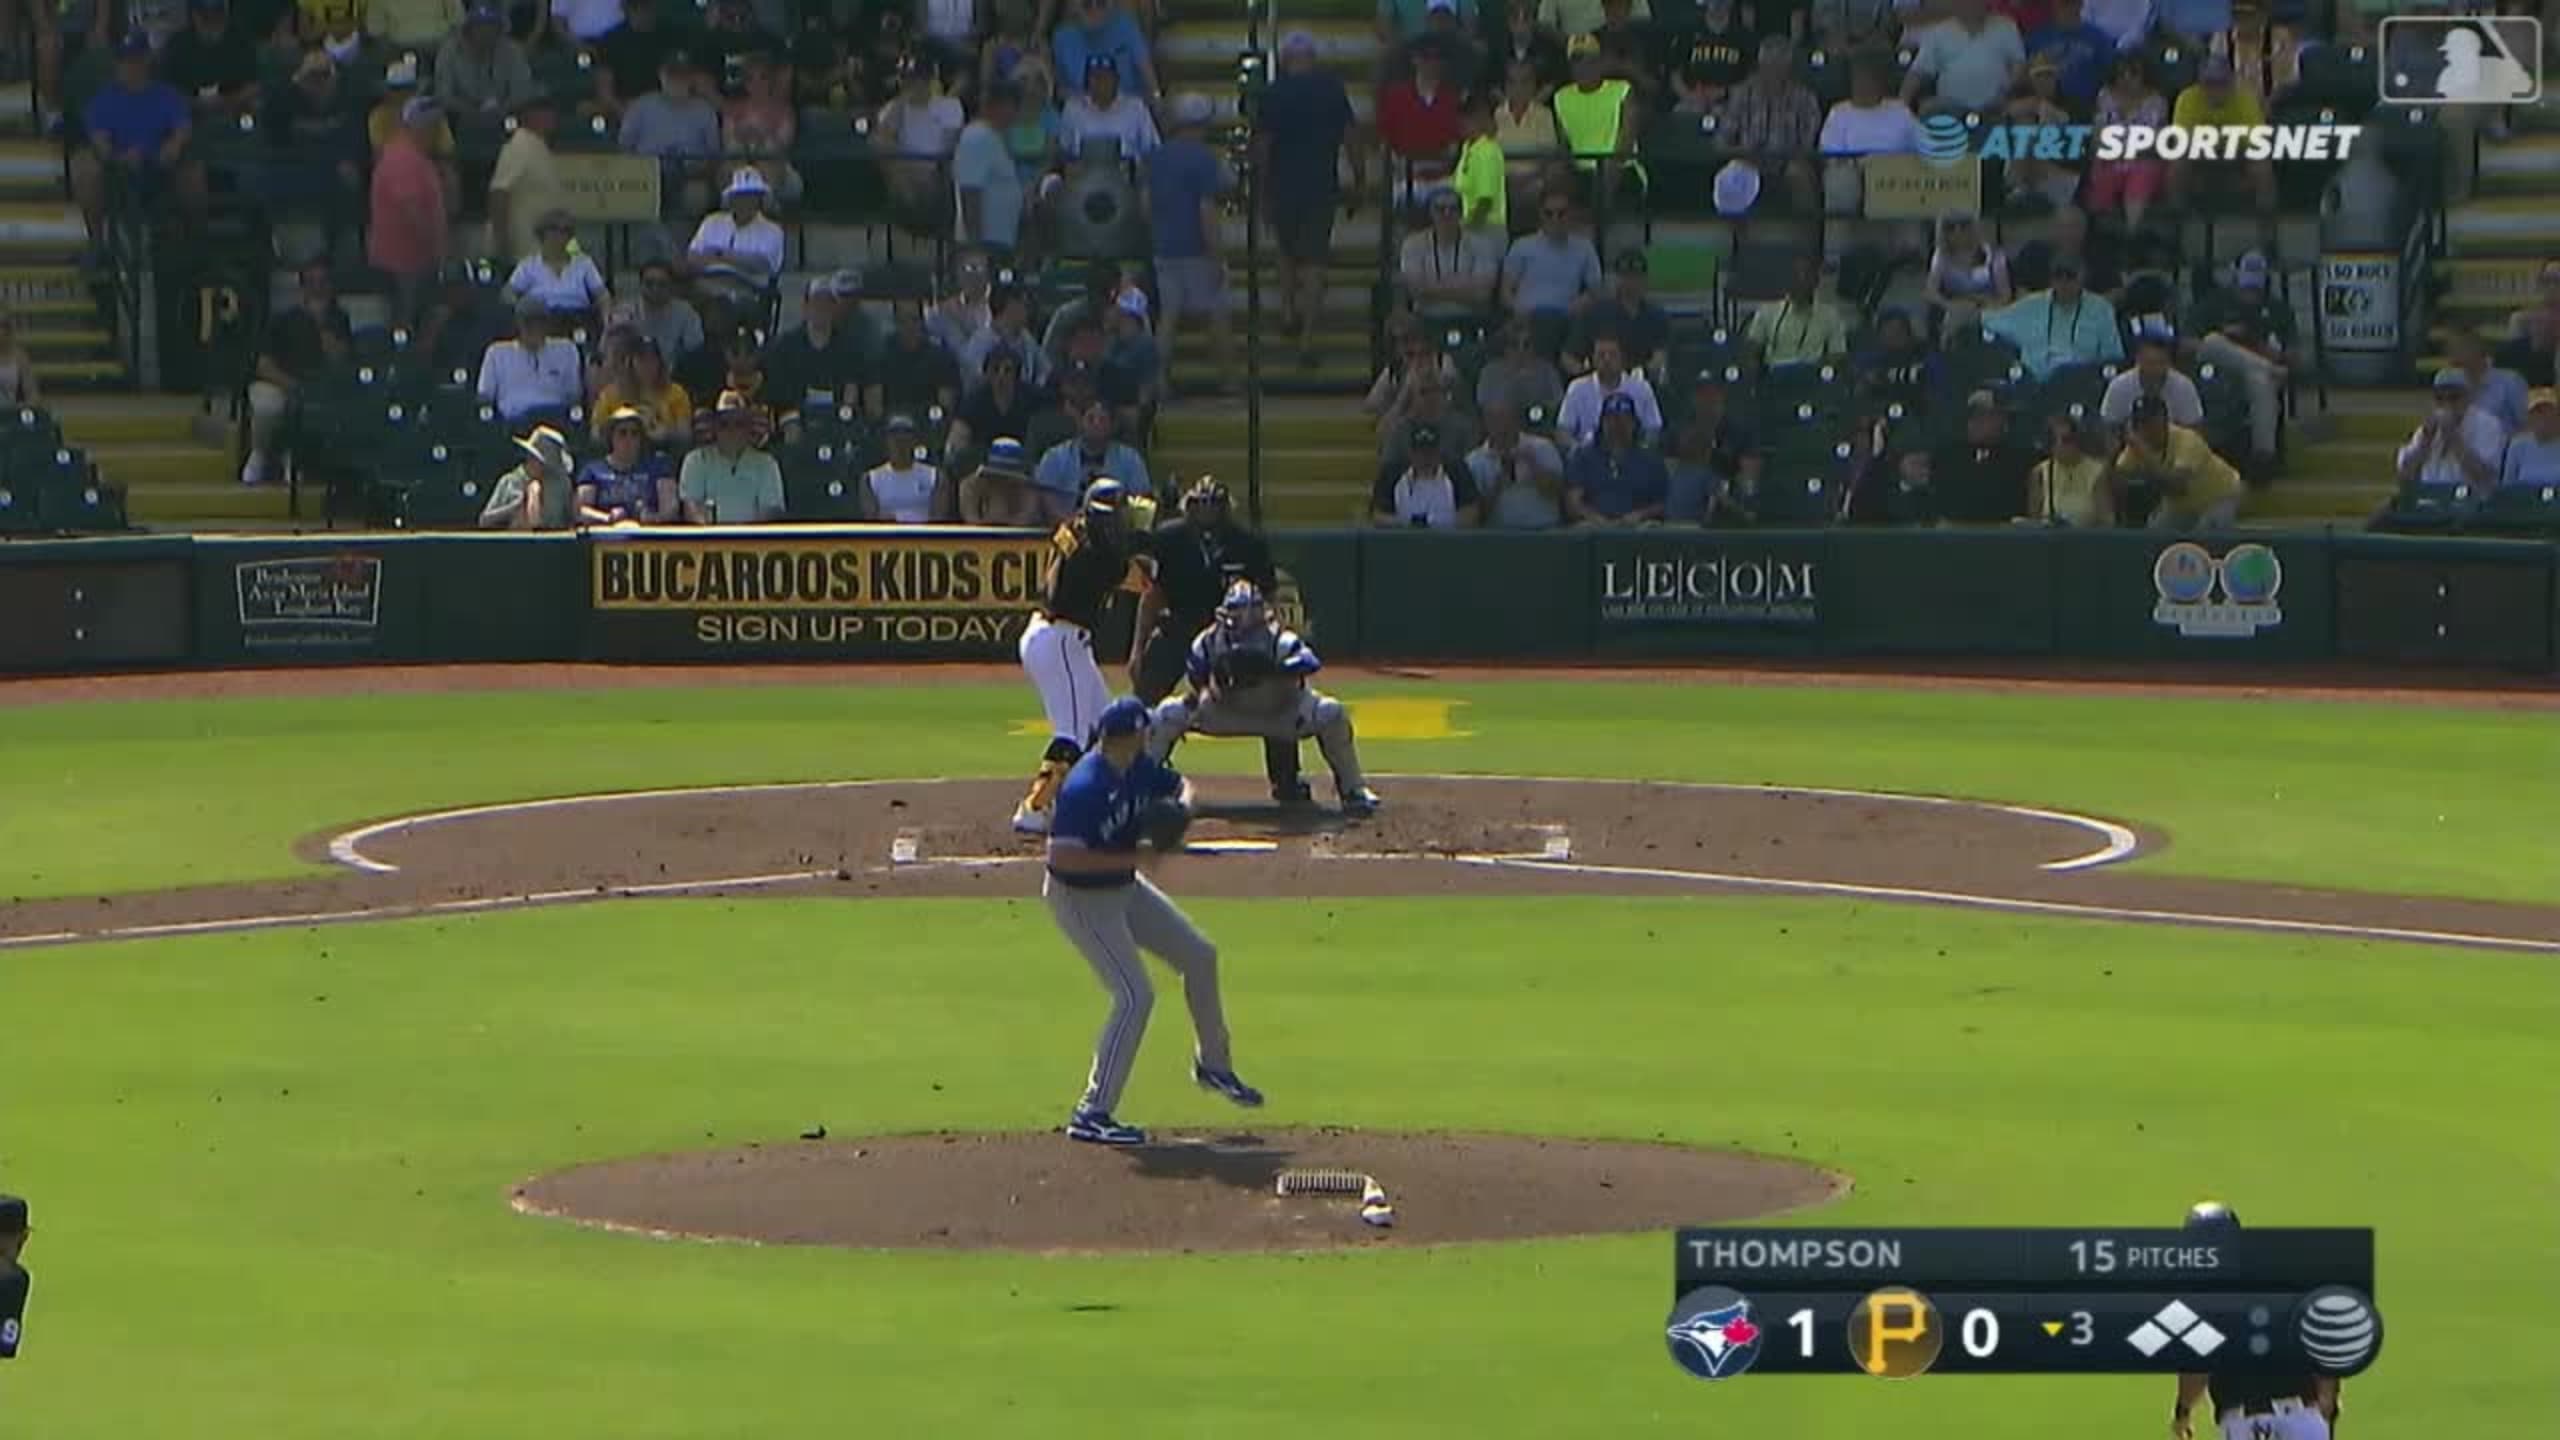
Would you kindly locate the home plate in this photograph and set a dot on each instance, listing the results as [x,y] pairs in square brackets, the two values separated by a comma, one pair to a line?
[1230,847]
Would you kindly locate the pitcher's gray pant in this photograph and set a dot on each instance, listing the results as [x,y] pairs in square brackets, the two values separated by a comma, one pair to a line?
[1314,713]
[1110,926]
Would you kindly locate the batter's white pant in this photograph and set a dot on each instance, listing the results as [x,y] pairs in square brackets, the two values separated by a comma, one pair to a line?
[2258,379]
[1316,713]
[2303,1424]
[1058,656]
[1110,926]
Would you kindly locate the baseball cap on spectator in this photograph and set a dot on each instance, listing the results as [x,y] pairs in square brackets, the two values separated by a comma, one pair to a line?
[1133,302]
[899,425]
[1618,403]
[1005,456]
[1424,436]
[1982,400]
[2249,272]
[624,415]
[2450,379]
[401,74]
[1583,46]
[2216,70]
[1737,187]
[732,408]
[748,181]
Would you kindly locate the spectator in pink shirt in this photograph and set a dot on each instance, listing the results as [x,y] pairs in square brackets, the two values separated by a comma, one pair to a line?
[409,230]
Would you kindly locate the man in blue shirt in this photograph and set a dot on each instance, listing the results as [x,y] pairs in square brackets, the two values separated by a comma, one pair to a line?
[2533,456]
[2080,50]
[1184,181]
[1615,481]
[1070,465]
[137,130]
[1110,912]
[1101,28]
[1300,138]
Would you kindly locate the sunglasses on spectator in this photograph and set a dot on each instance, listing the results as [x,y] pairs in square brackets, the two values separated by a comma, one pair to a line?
[1555,212]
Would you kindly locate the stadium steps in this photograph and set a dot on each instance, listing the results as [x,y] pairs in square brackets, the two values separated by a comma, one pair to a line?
[1319,453]
[42,243]
[2346,475]
[2481,292]
[178,465]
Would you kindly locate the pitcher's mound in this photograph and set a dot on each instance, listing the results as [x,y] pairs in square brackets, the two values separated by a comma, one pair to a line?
[1179,1193]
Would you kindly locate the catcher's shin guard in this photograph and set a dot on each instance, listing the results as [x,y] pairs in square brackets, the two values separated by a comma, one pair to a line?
[1061,755]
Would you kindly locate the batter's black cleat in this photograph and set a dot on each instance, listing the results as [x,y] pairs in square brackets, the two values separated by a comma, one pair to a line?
[1227,1083]
[1292,793]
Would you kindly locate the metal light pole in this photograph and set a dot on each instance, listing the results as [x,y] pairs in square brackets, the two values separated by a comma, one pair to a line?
[1251,78]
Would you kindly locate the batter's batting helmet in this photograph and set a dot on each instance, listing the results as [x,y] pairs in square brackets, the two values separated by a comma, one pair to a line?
[1206,491]
[1104,496]
[2211,1215]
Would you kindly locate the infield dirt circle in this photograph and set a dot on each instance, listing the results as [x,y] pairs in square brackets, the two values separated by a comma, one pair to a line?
[1440,835]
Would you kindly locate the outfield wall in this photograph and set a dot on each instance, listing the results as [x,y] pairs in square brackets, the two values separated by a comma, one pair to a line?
[853,592]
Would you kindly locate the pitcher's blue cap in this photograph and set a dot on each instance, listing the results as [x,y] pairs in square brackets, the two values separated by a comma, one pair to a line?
[13,1211]
[1127,715]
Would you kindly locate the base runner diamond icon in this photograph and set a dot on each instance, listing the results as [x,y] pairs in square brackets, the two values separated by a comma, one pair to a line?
[2150,1339]
[2203,1339]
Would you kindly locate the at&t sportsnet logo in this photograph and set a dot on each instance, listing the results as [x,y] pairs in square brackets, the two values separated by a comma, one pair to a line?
[1712,1333]
[2225,597]
[1946,139]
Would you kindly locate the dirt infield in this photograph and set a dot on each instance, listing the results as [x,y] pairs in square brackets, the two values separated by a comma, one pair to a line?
[1040,1192]
[1440,835]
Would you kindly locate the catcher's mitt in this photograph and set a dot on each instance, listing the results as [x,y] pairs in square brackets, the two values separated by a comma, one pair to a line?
[1165,823]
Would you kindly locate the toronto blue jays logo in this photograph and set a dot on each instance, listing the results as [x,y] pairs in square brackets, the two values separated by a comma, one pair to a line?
[1712,1333]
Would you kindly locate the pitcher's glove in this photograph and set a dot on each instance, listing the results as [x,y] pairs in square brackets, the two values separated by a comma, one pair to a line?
[1164,825]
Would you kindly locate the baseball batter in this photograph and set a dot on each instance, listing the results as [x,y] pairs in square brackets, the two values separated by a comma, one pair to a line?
[1095,554]
[2253,1407]
[1248,676]
[1112,797]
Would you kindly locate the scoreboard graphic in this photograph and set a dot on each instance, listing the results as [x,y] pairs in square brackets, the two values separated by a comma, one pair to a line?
[1898,1304]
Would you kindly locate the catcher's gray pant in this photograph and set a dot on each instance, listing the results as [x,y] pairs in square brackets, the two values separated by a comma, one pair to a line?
[1314,713]
[1111,925]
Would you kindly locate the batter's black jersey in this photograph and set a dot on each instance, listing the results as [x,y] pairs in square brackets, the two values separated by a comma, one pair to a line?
[1089,570]
[13,1310]
[2255,1394]
[1196,563]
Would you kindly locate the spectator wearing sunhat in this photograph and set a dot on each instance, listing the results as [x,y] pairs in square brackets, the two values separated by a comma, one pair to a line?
[730,481]
[408,232]
[559,274]
[822,361]
[538,493]
[2458,443]
[1101,110]
[1616,480]
[137,128]
[737,250]
[483,75]
[526,184]
[2197,489]
[1428,491]
[534,373]
[631,483]
[905,488]
[213,62]
[999,491]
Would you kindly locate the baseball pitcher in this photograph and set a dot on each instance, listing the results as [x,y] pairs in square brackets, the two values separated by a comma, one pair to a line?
[1114,797]
[14,1284]
[1248,676]
[2247,1406]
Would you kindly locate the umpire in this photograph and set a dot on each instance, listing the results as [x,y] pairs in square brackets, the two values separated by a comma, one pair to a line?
[2246,1405]
[14,1231]
[1197,558]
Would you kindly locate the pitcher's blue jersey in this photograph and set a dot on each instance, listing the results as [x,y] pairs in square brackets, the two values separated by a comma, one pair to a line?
[1285,653]
[1099,808]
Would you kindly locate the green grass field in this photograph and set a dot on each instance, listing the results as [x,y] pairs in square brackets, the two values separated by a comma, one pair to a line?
[269,1169]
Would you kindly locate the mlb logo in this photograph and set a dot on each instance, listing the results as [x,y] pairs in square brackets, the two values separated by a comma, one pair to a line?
[2460,60]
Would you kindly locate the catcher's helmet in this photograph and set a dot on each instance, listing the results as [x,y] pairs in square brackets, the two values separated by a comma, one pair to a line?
[2212,1215]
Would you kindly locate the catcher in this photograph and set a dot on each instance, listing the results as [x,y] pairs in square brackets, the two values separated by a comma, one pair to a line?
[1115,797]
[2248,1406]
[1247,676]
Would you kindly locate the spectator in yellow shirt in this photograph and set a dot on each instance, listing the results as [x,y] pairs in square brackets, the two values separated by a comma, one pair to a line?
[1801,327]
[2217,101]
[2198,489]
[2069,485]
[1482,179]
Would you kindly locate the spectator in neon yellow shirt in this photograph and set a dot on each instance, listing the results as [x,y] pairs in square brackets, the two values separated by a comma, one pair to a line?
[1483,177]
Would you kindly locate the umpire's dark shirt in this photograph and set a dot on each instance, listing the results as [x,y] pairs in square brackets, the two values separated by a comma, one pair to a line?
[1195,564]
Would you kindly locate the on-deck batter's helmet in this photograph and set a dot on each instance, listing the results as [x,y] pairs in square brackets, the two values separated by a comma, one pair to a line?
[1207,491]
[1242,608]
[1104,496]
[2212,1215]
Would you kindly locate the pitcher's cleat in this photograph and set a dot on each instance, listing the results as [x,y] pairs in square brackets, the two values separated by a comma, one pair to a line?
[1227,1083]
[1096,1128]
